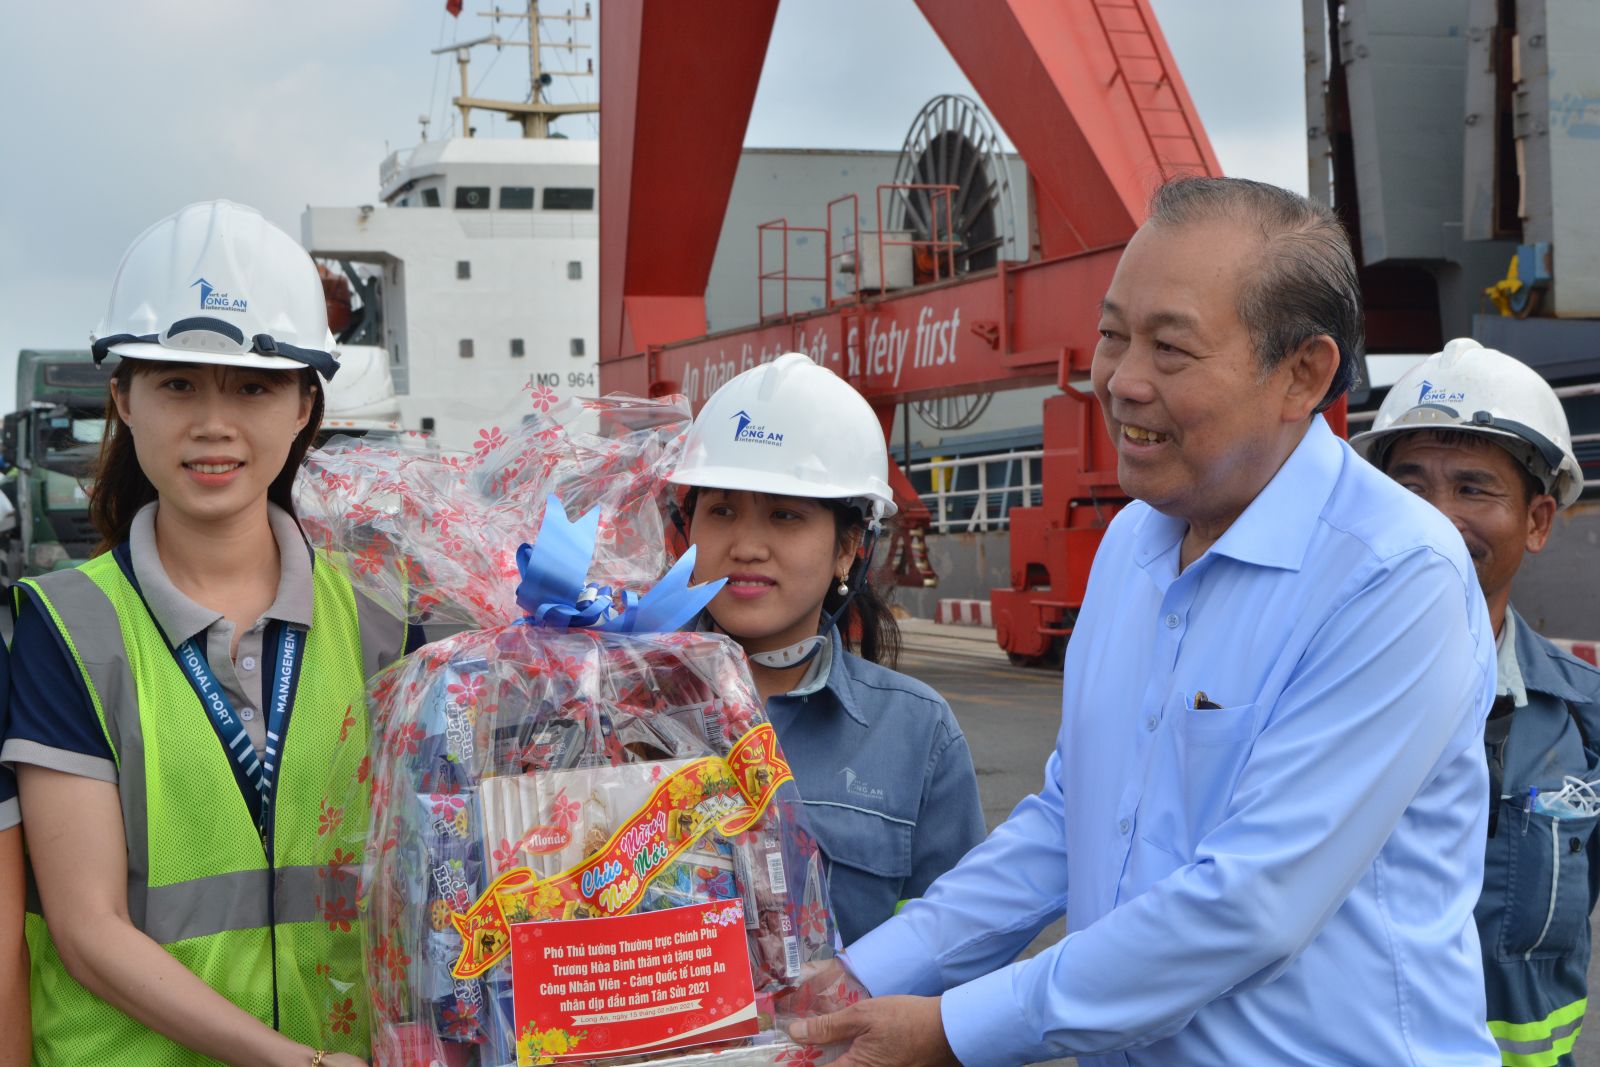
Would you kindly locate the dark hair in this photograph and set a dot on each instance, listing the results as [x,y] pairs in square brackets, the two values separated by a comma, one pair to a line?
[1306,285]
[868,626]
[121,487]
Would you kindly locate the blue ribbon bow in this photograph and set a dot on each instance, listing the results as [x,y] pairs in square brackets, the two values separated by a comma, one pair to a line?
[554,592]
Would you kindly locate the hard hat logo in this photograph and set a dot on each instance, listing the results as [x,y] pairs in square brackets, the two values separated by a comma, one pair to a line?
[212,300]
[1432,394]
[759,435]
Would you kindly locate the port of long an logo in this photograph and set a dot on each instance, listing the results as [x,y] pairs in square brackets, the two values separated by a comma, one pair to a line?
[1432,394]
[214,299]
[747,431]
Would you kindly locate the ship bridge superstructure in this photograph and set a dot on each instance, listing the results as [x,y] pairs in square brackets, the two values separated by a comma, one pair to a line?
[475,267]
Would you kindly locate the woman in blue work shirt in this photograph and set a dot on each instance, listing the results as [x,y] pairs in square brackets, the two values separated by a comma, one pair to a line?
[787,478]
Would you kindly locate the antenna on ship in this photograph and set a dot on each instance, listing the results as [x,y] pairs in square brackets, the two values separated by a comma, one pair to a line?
[535,113]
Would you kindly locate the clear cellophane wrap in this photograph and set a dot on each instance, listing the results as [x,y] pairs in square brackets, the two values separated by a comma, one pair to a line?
[517,745]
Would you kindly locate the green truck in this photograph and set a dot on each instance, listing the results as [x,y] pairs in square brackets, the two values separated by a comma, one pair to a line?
[50,444]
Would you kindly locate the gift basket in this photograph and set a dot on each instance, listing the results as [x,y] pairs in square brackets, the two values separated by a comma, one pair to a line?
[585,844]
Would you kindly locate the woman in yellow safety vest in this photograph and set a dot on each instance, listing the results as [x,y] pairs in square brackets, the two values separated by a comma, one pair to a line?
[187,708]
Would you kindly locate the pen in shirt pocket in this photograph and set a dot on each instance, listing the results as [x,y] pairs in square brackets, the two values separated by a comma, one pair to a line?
[1204,703]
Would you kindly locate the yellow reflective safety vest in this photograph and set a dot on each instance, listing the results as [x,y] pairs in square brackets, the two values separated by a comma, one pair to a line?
[278,937]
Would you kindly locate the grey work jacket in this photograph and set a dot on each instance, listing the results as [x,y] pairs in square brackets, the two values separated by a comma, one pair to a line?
[887,781]
[1541,873]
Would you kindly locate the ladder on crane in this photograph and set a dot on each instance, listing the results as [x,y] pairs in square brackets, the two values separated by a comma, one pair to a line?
[1142,69]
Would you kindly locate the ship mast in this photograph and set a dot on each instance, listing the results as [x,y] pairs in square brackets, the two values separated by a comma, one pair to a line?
[536,113]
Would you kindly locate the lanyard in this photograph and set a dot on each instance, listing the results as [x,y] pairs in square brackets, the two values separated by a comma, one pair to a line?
[257,778]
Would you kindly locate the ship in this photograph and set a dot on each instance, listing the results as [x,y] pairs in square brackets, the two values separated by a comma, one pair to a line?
[474,271]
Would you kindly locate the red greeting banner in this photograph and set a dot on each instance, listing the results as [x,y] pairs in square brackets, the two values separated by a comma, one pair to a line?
[631,984]
[728,795]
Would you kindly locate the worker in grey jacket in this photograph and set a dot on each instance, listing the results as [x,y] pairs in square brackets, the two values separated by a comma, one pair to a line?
[1484,439]
[786,486]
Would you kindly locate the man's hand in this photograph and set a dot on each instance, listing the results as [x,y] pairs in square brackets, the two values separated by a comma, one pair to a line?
[885,1032]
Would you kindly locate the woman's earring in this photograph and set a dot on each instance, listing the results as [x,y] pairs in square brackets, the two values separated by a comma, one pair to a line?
[844,587]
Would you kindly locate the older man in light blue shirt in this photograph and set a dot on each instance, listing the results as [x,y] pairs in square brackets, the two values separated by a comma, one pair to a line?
[1265,813]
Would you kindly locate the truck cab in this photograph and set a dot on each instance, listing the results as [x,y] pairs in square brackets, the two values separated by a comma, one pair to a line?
[50,444]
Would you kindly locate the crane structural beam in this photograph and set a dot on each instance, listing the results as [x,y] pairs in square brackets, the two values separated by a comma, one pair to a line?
[1088,93]
[1014,326]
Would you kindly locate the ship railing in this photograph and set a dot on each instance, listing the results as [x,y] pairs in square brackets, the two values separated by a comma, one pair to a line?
[973,494]
[779,271]
[389,169]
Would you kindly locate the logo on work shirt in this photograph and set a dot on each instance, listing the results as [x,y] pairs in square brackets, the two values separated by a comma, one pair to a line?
[1431,394]
[754,434]
[214,299]
[855,786]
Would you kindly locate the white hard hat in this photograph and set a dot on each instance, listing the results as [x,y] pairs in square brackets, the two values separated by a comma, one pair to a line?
[217,283]
[1474,389]
[790,428]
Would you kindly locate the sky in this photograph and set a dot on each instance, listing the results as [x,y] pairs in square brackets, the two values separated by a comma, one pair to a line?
[119,113]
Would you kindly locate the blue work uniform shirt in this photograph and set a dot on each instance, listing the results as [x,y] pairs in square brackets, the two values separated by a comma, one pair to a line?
[1541,872]
[887,781]
[1265,812]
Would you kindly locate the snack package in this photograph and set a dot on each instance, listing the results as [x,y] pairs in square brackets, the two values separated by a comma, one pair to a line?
[585,843]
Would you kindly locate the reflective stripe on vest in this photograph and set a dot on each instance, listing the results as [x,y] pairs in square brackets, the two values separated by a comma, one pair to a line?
[233,901]
[1541,1043]
[198,878]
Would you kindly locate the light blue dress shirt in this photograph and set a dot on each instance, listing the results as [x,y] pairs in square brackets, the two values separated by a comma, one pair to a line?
[1286,878]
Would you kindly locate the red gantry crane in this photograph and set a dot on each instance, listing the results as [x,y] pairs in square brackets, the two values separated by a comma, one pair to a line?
[1090,96]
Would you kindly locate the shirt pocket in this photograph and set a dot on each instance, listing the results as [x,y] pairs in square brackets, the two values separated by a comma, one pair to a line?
[1545,865]
[869,860]
[1195,767]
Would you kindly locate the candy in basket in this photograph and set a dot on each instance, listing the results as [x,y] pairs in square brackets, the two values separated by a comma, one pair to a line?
[585,845]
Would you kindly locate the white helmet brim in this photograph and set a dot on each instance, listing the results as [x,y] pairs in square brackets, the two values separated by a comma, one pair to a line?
[163,354]
[742,479]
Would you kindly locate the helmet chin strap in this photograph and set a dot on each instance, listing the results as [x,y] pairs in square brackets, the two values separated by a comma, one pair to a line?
[805,650]
[795,655]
